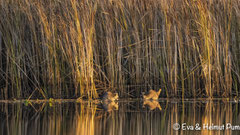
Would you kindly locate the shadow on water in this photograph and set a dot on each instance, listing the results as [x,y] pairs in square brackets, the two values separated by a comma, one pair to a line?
[133,117]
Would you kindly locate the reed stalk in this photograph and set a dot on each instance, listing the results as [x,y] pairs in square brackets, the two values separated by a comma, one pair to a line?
[67,49]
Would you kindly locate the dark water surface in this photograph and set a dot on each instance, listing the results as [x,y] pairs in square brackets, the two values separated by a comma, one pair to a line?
[125,117]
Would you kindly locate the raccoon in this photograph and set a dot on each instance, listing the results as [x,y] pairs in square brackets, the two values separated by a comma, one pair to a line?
[110,96]
[152,94]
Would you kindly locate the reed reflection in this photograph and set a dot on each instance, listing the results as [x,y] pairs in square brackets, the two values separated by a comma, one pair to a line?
[116,118]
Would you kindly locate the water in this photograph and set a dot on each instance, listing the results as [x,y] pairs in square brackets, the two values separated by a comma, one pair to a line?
[125,117]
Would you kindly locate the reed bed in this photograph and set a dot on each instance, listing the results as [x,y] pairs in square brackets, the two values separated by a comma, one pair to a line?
[71,48]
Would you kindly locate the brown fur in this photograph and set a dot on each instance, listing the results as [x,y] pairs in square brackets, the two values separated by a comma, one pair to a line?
[152,95]
[110,96]
[110,106]
[152,104]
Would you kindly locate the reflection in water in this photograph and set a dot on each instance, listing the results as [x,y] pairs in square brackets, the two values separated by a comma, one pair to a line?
[130,118]
[110,105]
[152,104]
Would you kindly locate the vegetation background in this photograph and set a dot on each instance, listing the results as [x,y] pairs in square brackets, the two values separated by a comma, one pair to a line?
[71,48]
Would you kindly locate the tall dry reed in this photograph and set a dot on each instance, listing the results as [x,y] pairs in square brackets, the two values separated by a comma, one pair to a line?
[70,48]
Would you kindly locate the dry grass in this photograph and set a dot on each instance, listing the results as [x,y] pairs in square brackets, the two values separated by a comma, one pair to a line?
[70,48]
